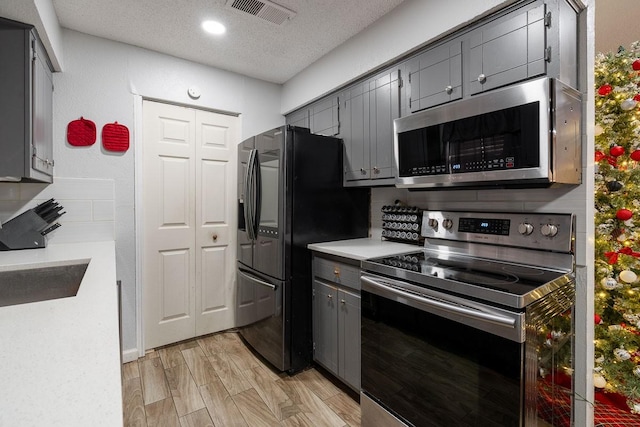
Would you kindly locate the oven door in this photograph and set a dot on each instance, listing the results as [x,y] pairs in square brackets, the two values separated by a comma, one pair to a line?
[434,359]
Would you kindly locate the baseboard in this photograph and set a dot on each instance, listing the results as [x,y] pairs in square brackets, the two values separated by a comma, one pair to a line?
[129,355]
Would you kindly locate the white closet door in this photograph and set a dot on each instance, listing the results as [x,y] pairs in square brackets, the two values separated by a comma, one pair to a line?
[186,174]
[217,136]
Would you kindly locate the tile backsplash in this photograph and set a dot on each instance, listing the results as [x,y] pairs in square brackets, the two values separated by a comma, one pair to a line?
[88,203]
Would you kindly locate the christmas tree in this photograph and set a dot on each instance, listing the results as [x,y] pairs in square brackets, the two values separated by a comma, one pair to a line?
[617,223]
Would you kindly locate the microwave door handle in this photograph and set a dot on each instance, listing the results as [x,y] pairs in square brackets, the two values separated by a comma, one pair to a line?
[417,301]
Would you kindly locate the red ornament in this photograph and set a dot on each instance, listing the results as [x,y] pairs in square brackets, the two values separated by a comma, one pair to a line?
[637,98]
[636,65]
[599,156]
[605,90]
[624,214]
[616,151]
[635,155]
[597,319]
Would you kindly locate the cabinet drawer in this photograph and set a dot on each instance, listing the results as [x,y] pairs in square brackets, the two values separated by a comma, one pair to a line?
[337,272]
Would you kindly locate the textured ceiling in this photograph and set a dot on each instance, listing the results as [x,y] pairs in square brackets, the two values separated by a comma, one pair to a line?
[251,46]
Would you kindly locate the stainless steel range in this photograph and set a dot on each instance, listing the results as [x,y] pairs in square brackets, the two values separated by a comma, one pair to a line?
[476,328]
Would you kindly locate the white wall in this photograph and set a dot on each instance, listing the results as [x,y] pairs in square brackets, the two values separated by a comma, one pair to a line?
[413,24]
[101,82]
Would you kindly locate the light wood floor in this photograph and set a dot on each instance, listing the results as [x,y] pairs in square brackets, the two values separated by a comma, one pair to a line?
[217,381]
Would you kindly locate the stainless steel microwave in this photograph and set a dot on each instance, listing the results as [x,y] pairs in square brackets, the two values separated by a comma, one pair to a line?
[527,134]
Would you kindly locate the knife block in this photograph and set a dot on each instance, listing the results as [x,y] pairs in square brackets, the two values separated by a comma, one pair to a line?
[23,232]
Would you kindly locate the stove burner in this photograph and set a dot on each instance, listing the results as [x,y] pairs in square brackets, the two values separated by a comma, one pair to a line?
[483,278]
[522,271]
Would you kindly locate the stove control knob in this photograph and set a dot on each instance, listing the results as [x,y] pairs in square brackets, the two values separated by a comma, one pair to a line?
[549,230]
[447,224]
[433,223]
[525,228]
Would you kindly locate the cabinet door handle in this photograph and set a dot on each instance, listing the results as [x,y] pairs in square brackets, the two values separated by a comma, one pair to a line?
[214,237]
[342,301]
[336,271]
[482,78]
[376,170]
[448,89]
[363,171]
[330,296]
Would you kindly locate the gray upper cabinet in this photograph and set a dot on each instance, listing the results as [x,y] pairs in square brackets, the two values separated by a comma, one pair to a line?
[367,111]
[26,109]
[507,50]
[321,117]
[525,40]
[299,118]
[435,76]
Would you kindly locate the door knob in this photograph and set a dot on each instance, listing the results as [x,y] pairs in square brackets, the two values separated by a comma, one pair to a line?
[376,170]
[448,89]
[363,171]
[482,78]
[214,237]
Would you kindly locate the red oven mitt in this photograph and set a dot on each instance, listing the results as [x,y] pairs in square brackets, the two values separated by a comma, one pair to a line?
[81,132]
[115,137]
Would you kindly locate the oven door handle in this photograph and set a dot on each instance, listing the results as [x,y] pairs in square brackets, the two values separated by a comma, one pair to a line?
[370,284]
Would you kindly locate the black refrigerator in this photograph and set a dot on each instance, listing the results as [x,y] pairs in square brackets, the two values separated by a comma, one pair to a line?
[290,194]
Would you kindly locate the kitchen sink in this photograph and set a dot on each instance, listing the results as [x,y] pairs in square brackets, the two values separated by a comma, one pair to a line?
[41,282]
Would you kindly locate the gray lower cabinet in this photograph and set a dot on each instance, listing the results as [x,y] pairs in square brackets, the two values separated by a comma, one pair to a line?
[349,337]
[336,319]
[367,112]
[325,325]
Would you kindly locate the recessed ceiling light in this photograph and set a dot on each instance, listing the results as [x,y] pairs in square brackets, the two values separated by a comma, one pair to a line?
[214,27]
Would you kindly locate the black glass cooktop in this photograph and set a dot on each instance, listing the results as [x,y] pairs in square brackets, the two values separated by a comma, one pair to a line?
[509,278]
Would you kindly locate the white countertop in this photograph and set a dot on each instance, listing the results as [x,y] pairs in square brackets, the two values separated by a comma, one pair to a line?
[60,359]
[360,249]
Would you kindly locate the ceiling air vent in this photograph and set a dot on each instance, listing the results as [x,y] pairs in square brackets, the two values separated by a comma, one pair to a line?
[263,9]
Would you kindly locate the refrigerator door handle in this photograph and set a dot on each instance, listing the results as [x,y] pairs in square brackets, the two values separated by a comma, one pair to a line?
[257,183]
[258,281]
[248,195]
